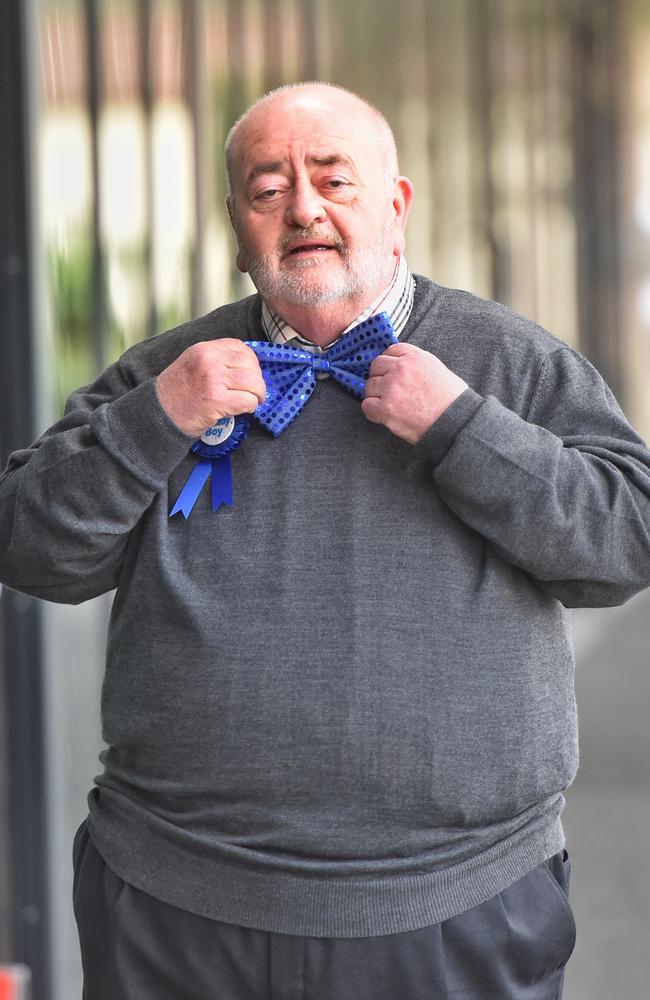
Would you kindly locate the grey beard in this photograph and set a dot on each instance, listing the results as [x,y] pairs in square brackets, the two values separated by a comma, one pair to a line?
[293,288]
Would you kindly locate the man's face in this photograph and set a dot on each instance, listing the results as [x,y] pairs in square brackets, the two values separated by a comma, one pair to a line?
[313,208]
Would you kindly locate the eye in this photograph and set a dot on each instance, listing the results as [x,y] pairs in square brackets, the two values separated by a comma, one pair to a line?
[266,194]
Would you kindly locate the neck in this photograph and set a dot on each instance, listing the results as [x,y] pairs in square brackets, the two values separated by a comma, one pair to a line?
[320,324]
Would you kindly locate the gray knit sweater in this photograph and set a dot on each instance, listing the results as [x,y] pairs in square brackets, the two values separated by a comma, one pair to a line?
[344,706]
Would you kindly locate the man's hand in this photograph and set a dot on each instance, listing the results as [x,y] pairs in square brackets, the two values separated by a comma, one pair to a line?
[408,389]
[210,380]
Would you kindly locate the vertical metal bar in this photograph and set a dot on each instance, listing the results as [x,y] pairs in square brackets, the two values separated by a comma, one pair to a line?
[22,663]
[529,31]
[146,99]
[310,39]
[236,95]
[93,100]
[6,889]
[596,74]
[483,25]
[272,20]
[20,623]
[194,70]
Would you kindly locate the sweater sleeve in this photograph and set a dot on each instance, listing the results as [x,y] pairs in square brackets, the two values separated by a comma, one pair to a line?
[563,493]
[69,502]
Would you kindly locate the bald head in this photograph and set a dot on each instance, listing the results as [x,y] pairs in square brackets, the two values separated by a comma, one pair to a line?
[303,96]
[317,205]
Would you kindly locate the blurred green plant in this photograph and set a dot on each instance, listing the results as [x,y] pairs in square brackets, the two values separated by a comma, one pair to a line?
[70,282]
[70,277]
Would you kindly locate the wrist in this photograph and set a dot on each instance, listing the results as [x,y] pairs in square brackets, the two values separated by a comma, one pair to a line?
[176,411]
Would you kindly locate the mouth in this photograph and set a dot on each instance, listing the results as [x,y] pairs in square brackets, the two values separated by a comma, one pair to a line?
[307,248]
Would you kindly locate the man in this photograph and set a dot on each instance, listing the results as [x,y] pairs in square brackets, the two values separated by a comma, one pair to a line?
[339,711]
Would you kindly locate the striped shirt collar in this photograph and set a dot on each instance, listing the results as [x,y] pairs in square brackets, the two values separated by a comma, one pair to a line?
[396,300]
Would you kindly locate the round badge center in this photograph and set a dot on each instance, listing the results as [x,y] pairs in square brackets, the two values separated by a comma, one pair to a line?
[219,432]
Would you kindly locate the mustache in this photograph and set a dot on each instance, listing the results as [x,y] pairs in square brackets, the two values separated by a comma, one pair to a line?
[308,235]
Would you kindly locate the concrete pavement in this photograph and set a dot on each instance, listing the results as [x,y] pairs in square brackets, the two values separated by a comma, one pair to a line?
[607,818]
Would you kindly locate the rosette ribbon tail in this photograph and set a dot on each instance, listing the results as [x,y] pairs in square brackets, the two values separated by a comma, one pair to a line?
[221,482]
[221,472]
[195,483]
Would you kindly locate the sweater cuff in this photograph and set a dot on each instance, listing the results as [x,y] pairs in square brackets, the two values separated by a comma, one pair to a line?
[437,441]
[137,432]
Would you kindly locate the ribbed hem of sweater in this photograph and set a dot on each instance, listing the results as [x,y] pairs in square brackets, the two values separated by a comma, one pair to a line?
[311,906]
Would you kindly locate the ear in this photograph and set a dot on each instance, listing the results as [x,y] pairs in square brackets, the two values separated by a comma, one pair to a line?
[402,199]
[231,211]
[239,260]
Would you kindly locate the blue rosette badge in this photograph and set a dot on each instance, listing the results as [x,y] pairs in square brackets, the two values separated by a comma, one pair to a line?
[214,448]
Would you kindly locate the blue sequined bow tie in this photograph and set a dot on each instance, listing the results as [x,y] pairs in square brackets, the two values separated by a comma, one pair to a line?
[290,373]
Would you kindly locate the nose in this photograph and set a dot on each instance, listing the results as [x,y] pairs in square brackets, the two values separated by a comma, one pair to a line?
[305,205]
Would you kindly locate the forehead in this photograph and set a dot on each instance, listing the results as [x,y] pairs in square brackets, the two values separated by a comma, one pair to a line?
[309,128]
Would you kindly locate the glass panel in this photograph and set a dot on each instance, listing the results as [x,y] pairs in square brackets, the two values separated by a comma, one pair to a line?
[66,192]
[479,96]
[124,182]
[172,160]
[637,219]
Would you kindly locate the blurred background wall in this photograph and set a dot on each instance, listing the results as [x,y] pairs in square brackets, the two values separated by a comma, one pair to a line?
[525,126]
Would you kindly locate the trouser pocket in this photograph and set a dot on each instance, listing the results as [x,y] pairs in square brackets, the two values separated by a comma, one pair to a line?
[558,869]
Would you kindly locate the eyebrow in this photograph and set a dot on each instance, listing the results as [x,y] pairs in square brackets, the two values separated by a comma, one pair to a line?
[332,160]
[275,166]
[272,167]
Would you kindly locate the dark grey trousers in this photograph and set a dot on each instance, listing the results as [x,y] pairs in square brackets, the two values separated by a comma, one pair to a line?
[134,947]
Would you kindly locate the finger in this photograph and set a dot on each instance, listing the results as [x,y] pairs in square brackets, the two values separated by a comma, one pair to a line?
[382,365]
[248,353]
[398,350]
[372,409]
[236,401]
[374,386]
[234,352]
[247,380]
